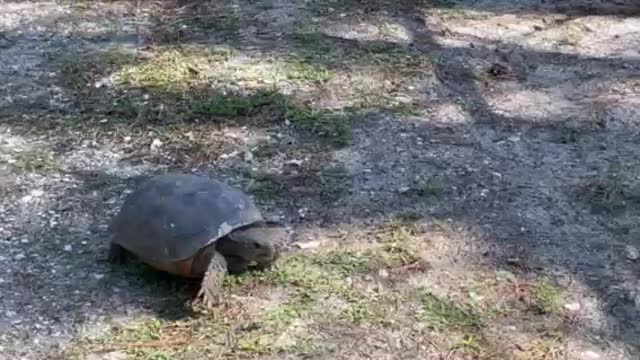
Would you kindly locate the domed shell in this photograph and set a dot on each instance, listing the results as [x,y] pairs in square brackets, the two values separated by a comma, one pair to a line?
[172,216]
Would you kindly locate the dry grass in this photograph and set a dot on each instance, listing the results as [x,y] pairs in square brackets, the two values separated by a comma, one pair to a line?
[322,300]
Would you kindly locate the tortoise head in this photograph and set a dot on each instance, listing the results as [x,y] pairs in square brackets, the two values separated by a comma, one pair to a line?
[257,243]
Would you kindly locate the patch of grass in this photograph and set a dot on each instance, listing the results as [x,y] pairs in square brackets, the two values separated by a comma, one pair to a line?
[310,298]
[393,255]
[368,310]
[445,4]
[340,53]
[333,127]
[400,229]
[429,188]
[165,69]
[313,45]
[442,314]
[38,162]
[546,298]
[265,185]
[233,105]
[548,346]
[608,192]
[284,319]
[309,72]
[79,72]
[409,218]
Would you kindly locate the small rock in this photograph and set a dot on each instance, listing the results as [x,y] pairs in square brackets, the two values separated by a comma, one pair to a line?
[20,257]
[98,276]
[633,253]
[383,273]
[27,198]
[505,275]
[307,244]
[590,355]
[68,248]
[294,162]
[248,156]
[403,189]
[113,355]
[37,192]
[229,155]
[104,82]
[573,307]
[155,145]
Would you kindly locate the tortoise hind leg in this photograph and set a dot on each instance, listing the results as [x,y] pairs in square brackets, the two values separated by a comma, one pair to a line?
[117,254]
[211,286]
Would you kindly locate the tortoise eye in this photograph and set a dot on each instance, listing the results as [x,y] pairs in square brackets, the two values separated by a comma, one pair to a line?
[256,245]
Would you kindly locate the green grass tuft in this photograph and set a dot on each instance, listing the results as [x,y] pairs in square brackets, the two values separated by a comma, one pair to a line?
[546,298]
[231,105]
[443,314]
[333,127]
[309,72]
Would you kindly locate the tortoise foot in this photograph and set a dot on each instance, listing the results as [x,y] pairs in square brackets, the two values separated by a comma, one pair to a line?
[210,294]
[117,254]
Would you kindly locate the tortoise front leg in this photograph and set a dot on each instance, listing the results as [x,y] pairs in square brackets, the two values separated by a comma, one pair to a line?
[117,254]
[211,286]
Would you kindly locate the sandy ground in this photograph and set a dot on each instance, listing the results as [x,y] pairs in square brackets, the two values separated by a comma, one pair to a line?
[529,129]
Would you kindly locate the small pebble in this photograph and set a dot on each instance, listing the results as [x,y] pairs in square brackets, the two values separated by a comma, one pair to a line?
[68,248]
[590,355]
[248,156]
[294,162]
[155,145]
[633,253]
[26,198]
[573,307]
[98,276]
[307,244]
[37,192]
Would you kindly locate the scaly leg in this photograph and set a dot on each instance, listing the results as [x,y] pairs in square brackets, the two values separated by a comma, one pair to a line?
[211,286]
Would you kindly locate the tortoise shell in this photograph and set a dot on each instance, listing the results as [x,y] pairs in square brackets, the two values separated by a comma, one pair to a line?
[171,217]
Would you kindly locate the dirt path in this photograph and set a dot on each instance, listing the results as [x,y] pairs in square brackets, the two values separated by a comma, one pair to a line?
[505,130]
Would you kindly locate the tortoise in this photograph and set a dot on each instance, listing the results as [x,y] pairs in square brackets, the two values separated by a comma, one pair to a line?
[195,227]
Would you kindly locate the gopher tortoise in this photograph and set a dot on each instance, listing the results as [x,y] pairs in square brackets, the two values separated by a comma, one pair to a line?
[194,227]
